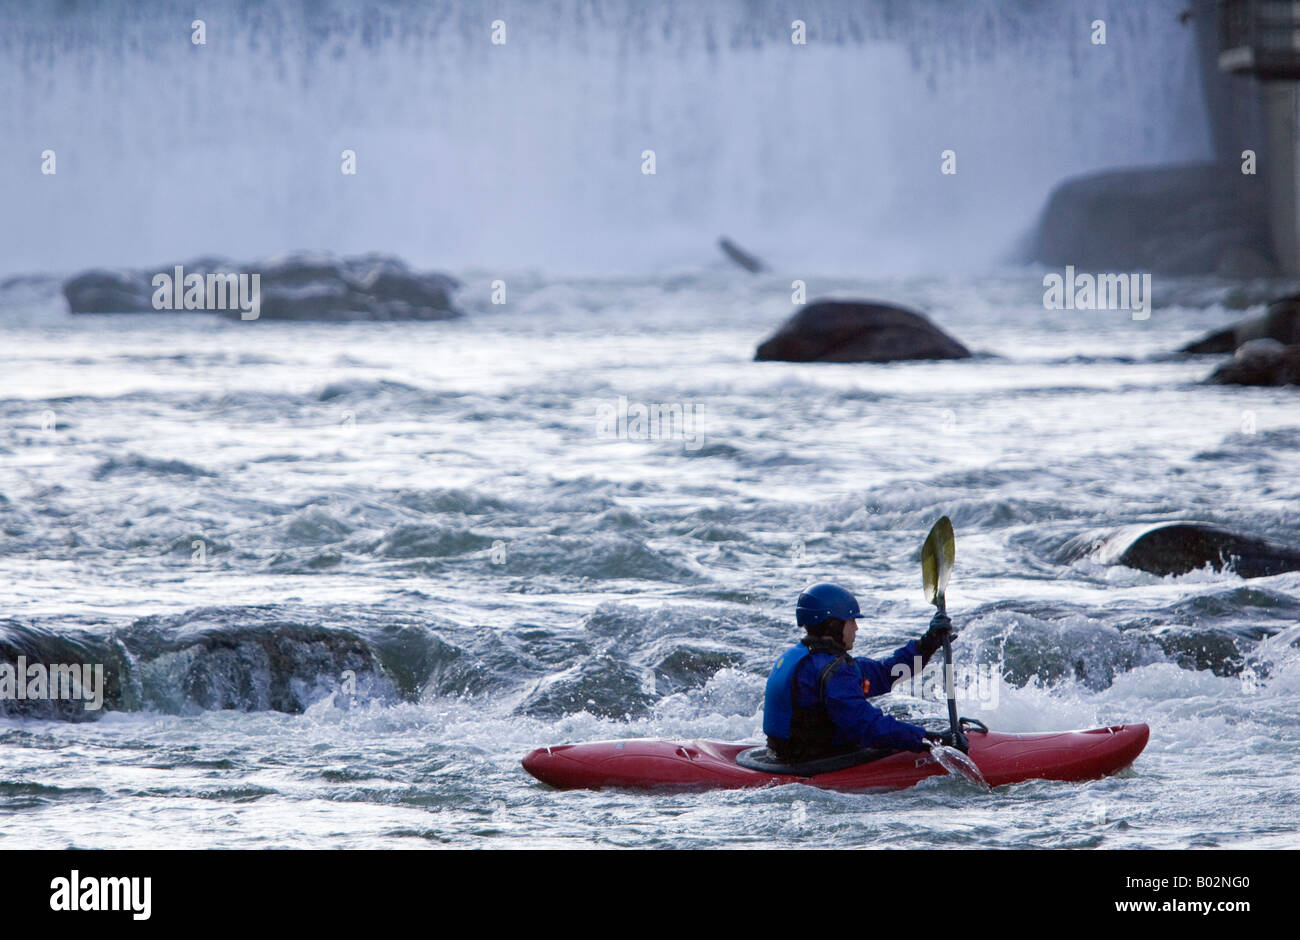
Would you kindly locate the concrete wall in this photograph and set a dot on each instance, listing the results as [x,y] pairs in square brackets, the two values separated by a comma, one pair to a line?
[1232,100]
[1248,114]
[1282,171]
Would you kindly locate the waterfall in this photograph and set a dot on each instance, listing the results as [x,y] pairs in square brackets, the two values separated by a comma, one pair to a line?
[529,153]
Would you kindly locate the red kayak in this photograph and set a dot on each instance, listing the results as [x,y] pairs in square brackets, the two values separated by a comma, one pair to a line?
[707,765]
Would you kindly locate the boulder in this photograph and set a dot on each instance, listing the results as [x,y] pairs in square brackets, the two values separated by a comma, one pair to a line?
[1281,322]
[858,331]
[1190,219]
[1260,362]
[292,287]
[1179,547]
[108,292]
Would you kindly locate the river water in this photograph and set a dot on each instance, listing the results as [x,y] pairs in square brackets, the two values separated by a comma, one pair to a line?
[344,576]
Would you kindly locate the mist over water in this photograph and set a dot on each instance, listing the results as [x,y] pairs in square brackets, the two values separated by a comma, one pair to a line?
[528,154]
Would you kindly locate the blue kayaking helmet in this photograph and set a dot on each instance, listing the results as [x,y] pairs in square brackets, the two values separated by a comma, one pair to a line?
[822,601]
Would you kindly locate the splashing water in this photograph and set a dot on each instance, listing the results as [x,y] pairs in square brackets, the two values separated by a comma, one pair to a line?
[959,765]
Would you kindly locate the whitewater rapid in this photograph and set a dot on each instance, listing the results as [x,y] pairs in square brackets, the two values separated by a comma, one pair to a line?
[432,510]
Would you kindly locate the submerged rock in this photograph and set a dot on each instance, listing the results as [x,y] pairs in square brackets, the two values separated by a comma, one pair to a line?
[1281,322]
[1190,219]
[1260,362]
[603,686]
[689,666]
[1179,547]
[292,287]
[858,331]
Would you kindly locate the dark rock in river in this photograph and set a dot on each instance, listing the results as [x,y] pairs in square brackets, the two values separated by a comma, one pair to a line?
[1260,362]
[1180,547]
[108,292]
[854,331]
[1281,321]
[292,287]
[602,686]
[371,287]
[690,667]
[1189,219]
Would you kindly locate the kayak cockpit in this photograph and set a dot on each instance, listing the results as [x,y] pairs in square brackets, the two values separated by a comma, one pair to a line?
[762,759]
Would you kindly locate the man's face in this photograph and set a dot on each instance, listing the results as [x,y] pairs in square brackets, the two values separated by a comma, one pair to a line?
[850,632]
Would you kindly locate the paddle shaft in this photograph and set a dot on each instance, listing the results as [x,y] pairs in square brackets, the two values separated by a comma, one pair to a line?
[948,686]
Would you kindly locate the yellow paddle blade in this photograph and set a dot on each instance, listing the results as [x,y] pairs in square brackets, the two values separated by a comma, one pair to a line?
[937,556]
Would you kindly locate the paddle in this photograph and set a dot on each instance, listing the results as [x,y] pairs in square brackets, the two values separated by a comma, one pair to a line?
[937,556]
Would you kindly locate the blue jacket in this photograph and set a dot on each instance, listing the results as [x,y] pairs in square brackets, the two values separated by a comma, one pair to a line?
[843,713]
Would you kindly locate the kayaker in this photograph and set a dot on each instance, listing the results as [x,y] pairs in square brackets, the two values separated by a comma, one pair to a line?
[816,701]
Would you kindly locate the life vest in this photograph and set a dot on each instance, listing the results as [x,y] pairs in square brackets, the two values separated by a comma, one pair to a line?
[797,733]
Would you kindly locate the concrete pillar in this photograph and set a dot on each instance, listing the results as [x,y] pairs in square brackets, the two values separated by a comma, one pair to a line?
[1280,166]
[1232,100]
